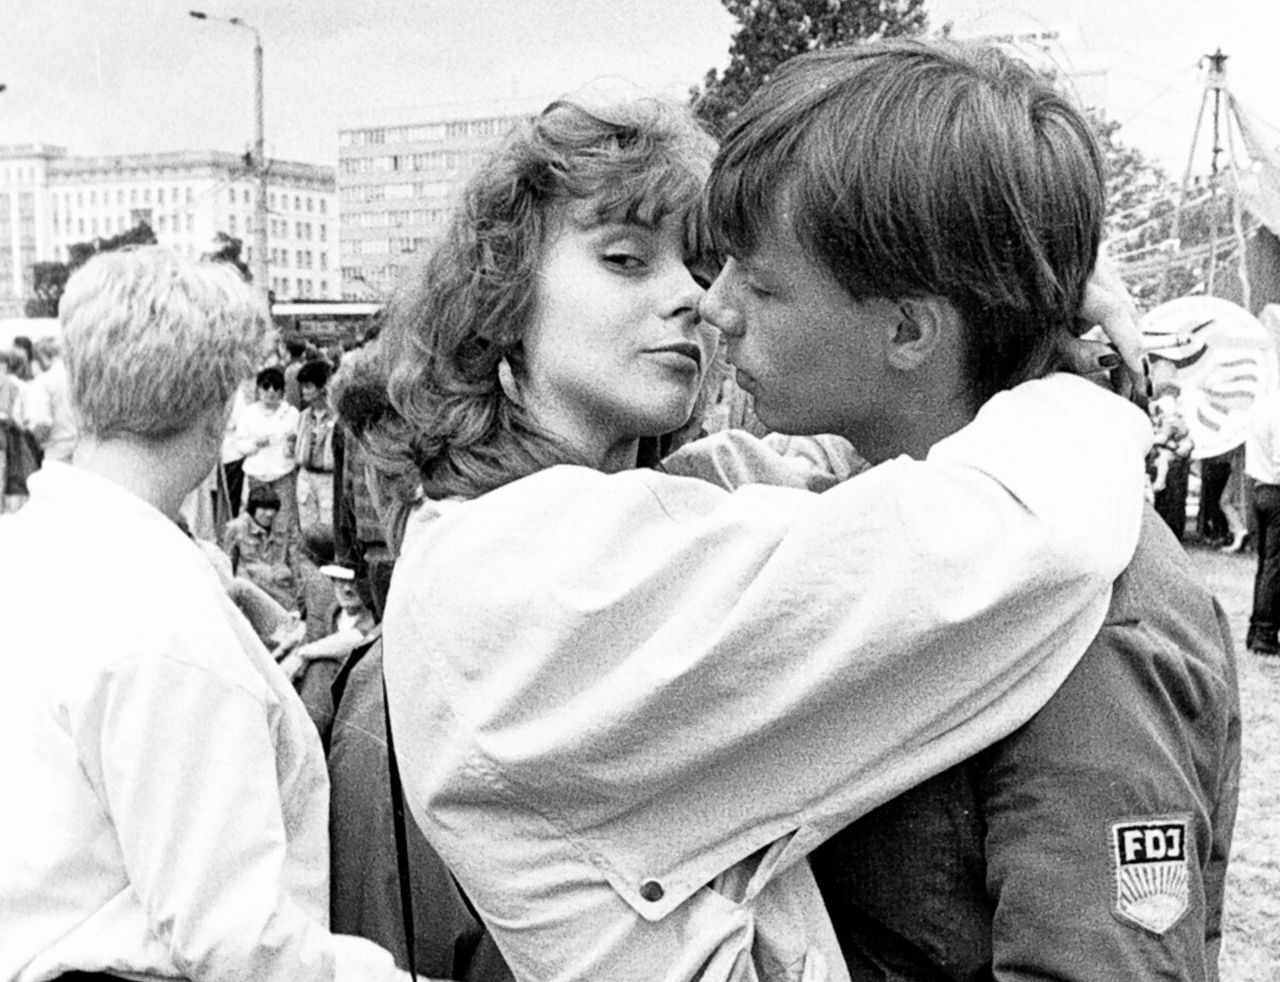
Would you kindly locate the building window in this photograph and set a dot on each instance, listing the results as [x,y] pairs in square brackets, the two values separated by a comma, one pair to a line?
[324,288]
[93,197]
[300,291]
[271,199]
[322,206]
[299,230]
[323,230]
[160,223]
[245,197]
[324,260]
[120,196]
[297,202]
[231,224]
[159,196]
[300,264]
[190,195]
[190,222]
[146,196]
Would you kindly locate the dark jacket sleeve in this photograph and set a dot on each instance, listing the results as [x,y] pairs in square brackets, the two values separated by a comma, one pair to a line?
[1109,816]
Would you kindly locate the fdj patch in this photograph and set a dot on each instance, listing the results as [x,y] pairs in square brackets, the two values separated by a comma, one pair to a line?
[1152,860]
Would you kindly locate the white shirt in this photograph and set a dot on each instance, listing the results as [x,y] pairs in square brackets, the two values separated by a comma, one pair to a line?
[1262,443]
[47,404]
[627,706]
[166,799]
[280,427]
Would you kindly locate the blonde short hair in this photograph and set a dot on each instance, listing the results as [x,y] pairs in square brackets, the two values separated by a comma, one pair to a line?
[155,341]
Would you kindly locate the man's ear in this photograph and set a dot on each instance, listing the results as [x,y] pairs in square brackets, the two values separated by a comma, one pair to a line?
[926,327]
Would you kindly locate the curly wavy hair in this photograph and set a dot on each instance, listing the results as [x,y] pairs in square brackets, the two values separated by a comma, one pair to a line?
[443,426]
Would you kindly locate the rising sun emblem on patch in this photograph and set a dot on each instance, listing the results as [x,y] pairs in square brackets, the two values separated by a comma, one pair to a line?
[1152,858]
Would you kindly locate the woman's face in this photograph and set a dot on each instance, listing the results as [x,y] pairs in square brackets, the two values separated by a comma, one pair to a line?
[615,350]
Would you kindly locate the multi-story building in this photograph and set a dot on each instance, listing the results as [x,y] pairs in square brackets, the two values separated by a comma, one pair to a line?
[396,184]
[50,201]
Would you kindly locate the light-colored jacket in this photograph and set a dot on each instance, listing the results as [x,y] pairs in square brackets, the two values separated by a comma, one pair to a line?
[166,810]
[627,706]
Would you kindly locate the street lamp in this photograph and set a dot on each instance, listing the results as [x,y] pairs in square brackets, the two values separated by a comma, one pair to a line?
[259,158]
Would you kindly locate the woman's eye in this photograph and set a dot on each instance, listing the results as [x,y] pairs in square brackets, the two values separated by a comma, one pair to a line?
[623,260]
[758,290]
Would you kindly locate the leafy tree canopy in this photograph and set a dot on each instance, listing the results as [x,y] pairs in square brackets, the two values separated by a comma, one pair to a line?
[771,31]
[227,250]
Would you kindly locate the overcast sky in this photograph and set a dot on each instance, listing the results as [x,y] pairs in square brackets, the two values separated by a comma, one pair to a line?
[115,76]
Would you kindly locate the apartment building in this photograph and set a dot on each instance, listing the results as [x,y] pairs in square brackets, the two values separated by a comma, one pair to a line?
[396,185]
[50,201]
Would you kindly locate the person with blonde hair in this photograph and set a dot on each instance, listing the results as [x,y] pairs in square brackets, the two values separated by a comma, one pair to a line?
[626,704]
[167,796]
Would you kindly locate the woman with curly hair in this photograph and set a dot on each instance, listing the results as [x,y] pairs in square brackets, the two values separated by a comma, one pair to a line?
[626,703]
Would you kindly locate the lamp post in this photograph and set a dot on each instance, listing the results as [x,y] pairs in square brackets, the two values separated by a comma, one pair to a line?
[260,246]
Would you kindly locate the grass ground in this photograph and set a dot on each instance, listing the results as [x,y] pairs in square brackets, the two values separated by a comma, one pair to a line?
[1251,945]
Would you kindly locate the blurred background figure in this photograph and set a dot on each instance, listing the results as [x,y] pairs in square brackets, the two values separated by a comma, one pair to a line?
[314,452]
[48,410]
[268,429]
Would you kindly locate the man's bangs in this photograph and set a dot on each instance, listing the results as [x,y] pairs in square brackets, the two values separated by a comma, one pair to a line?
[739,202]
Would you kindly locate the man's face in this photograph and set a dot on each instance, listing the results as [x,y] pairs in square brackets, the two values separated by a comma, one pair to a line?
[269,397]
[310,392]
[811,357]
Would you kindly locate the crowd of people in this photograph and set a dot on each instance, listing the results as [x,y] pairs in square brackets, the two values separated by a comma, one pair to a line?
[920,689]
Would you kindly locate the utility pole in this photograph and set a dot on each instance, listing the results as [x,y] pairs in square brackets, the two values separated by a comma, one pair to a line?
[258,165]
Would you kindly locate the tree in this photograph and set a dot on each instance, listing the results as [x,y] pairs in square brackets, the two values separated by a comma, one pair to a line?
[772,31]
[1141,205]
[227,250]
[79,253]
[48,279]
[47,282]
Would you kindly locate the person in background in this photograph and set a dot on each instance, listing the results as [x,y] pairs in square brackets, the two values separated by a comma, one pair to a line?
[173,798]
[234,450]
[360,540]
[48,409]
[1173,443]
[448,940]
[313,665]
[314,448]
[261,550]
[1262,466]
[14,446]
[295,348]
[268,430]
[28,367]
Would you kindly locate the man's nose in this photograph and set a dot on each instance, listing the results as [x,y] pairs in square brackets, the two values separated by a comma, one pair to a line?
[717,306]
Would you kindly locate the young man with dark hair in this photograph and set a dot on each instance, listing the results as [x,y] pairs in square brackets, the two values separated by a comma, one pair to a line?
[911,228]
[314,447]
